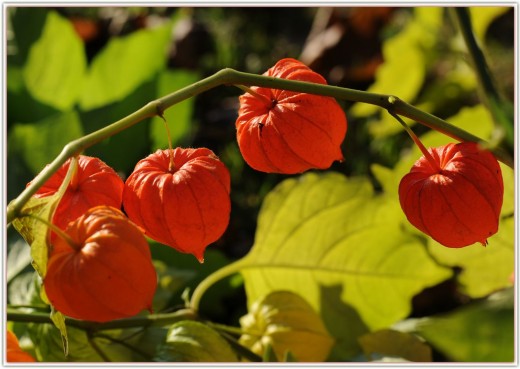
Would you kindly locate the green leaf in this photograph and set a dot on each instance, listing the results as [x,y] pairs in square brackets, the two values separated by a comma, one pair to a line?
[481,332]
[59,321]
[179,116]
[484,269]
[170,280]
[482,16]
[284,322]
[331,240]
[115,150]
[82,348]
[124,64]
[40,142]
[191,341]
[33,228]
[18,258]
[28,24]
[21,289]
[392,343]
[55,68]
[403,71]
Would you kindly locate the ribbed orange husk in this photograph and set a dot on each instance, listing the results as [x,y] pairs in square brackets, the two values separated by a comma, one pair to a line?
[95,183]
[460,205]
[290,132]
[109,276]
[187,207]
[14,352]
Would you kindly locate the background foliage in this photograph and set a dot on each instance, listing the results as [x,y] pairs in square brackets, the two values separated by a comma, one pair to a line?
[338,238]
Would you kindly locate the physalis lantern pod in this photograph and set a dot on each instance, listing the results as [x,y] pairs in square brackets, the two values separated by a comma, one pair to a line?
[103,271]
[14,352]
[180,198]
[459,202]
[93,184]
[289,132]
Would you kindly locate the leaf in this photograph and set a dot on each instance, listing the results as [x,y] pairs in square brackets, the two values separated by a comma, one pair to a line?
[55,68]
[179,116]
[115,150]
[59,321]
[387,342]
[40,142]
[191,341]
[48,345]
[481,332]
[33,228]
[18,258]
[484,269]
[170,280]
[124,64]
[483,16]
[21,289]
[403,71]
[281,323]
[331,240]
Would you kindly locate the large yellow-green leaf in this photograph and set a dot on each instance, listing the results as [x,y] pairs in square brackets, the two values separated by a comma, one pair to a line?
[56,64]
[404,67]
[125,64]
[340,246]
[486,269]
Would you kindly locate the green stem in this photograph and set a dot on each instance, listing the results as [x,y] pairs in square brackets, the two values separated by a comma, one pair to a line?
[232,77]
[241,350]
[255,94]
[225,328]
[435,166]
[501,110]
[211,279]
[133,322]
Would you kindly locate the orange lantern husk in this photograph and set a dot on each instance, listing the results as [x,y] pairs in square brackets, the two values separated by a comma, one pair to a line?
[14,352]
[94,183]
[289,132]
[460,203]
[107,273]
[187,207]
